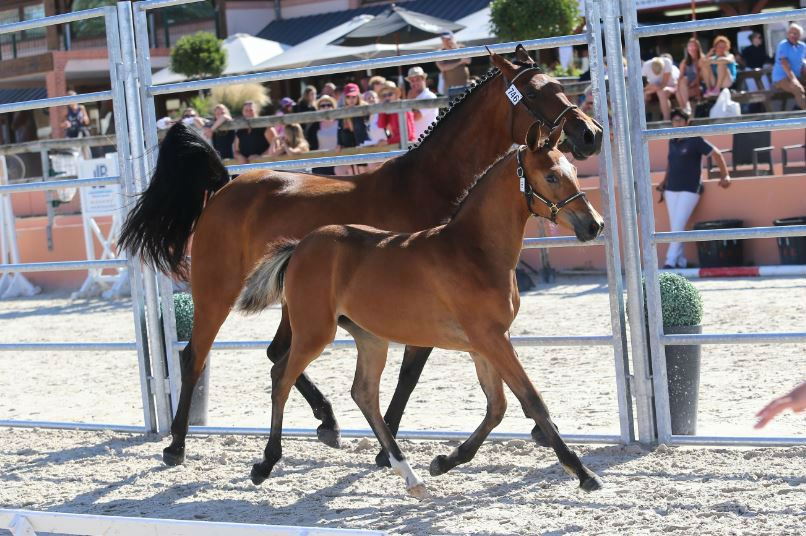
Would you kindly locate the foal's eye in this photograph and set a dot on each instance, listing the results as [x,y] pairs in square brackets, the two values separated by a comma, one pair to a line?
[552,178]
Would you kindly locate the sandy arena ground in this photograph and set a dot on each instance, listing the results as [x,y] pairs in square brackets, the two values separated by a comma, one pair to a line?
[510,488]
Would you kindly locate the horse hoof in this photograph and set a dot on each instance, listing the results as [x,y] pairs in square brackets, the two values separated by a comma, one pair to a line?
[173,457]
[418,491]
[382,459]
[329,436]
[591,483]
[439,465]
[259,474]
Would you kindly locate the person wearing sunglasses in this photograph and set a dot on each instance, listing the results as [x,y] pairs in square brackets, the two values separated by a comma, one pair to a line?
[389,121]
[323,135]
[352,130]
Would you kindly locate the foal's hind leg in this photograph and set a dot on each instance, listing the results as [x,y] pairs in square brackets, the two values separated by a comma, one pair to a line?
[414,360]
[305,348]
[502,356]
[372,352]
[328,432]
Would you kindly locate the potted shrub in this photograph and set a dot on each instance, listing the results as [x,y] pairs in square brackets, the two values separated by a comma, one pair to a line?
[183,312]
[681,306]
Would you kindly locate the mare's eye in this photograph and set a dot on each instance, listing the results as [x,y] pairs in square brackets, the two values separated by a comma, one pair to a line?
[551,178]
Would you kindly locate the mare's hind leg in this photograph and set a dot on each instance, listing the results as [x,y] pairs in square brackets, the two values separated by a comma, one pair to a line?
[414,359]
[502,356]
[372,352]
[207,319]
[304,348]
[328,432]
[493,388]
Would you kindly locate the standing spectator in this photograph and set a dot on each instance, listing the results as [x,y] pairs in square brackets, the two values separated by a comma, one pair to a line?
[389,122]
[376,83]
[352,130]
[681,188]
[755,55]
[718,67]
[292,143]
[689,84]
[661,75]
[329,89]
[323,135]
[306,103]
[422,118]
[251,143]
[76,120]
[454,72]
[222,140]
[190,117]
[788,73]
[376,133]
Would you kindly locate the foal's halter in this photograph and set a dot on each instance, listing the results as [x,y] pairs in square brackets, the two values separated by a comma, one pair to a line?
[530,193]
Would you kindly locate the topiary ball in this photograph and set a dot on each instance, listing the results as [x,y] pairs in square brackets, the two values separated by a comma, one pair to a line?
[183,312]
[680,301]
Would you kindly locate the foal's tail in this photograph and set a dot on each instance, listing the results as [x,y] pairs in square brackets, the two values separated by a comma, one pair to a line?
[159,226]
[264,286]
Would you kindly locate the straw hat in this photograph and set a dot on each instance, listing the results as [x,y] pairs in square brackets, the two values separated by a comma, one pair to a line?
[415,72]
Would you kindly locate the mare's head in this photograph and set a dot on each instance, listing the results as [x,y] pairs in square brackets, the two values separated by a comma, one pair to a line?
[552,179]
[543,100]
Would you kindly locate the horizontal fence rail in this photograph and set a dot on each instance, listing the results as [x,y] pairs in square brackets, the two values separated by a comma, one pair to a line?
[360,65]
[68,347]
[560,242]
[737,441]
[56,185]
[734,338]
[57,143]
[63,266]
[55,101]
[718,23]
[53,20]
[782,231]
[66,425]
[145,5]
[726,128]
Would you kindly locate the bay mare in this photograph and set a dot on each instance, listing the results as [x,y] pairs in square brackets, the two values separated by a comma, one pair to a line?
[451,286]
[232,222]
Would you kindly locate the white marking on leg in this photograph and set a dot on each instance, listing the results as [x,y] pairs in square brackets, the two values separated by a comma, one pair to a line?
[414,484]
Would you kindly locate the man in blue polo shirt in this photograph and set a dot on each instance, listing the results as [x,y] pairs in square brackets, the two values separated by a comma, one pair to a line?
[681,188]
[789,73]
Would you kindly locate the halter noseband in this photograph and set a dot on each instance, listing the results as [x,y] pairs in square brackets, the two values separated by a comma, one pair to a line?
[530,193]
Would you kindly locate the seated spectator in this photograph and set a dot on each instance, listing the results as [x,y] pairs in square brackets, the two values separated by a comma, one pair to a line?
[689,85]
[306,103]
[221,140]
[77,120]
[718,67]
[251,143]
[352,130]
[662,76]
[389,122]
[323,135]
[422,118]
[755,55]
[292,143]
[329,89]
[788,73]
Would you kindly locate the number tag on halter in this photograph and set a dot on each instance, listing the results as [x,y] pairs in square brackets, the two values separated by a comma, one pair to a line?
[521,178]
[513,94]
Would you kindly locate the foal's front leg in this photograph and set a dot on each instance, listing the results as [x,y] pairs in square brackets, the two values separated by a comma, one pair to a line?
[493,388]
[414,360]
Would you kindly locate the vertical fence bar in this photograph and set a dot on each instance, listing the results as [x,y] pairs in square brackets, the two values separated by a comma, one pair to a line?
[116,75]
[632,257]
[612,254]
[160,387]
[404,129]
[643,181]
[164,283]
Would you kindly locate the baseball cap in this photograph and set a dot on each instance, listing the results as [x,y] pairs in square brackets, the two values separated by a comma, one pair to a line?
[286,101]
[446,34]
[351,89]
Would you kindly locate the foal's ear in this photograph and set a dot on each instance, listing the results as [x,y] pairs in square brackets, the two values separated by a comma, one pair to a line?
[536,136]
[555,134]
[523,56]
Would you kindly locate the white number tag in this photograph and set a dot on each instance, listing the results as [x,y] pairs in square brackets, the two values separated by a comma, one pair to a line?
[513,94]
[523,184]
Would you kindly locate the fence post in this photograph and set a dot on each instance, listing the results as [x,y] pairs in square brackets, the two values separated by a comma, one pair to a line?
[632,255]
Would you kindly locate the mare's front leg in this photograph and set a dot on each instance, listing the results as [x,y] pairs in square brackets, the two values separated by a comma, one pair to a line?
[499,351]
[414,359]
[493,389]
[328,432]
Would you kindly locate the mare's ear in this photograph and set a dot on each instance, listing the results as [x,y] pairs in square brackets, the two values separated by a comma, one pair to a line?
[503,64]
[523,56]
[555,134]
[536,136]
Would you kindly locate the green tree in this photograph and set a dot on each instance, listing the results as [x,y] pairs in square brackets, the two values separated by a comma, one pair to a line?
[197,55]
[520,20]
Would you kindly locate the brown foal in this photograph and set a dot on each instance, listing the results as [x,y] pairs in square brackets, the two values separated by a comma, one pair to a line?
[409,193]
[335,275]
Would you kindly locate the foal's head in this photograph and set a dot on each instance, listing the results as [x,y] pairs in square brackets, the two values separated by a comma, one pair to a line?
[544,100]
[553,181]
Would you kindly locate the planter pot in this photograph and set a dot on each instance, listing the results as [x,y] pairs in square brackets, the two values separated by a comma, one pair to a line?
[683,374]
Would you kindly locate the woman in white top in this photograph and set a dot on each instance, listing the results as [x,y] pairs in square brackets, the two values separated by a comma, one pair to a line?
[661,75]
[376,133]
[325,133]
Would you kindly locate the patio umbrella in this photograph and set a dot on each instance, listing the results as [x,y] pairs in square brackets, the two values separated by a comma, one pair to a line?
[396,25]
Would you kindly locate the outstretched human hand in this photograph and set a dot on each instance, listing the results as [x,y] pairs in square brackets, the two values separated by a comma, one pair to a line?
[794,400]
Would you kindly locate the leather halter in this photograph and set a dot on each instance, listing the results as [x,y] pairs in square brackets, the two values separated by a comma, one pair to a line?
[530,193]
